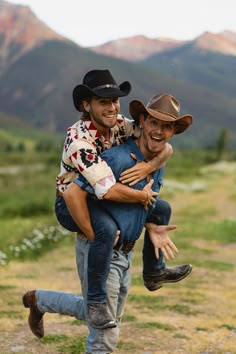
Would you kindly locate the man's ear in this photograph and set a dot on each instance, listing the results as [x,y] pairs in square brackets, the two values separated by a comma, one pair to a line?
[141,120]
[175,129]
[86,106]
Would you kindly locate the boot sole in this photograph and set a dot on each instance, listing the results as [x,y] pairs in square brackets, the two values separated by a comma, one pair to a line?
[153,288]
[106,326]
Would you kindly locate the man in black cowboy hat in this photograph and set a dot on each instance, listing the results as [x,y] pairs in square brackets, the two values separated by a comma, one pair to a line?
[84,141]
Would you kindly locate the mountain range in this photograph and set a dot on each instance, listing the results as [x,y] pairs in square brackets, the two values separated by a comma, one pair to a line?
[39,68]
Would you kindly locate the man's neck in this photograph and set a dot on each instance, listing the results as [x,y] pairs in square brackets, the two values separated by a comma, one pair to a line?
[107,135]
[147,155]
[104,131]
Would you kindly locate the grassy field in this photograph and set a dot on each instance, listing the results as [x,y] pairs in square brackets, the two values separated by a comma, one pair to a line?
[197,315]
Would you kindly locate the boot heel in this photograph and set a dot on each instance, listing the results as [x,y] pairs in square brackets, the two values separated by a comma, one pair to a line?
[24,300]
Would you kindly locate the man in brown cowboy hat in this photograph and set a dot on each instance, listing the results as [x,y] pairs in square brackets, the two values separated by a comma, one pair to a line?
[158,121]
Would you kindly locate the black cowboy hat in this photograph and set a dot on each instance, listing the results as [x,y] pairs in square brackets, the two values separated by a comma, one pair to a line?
[99,83]
[163,107]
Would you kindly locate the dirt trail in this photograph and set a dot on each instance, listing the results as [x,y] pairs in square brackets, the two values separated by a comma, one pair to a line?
[199,316]
[209,296]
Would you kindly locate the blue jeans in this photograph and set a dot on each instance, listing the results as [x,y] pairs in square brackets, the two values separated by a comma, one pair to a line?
[101,248]
[100,252]
[118,282]
[162,213]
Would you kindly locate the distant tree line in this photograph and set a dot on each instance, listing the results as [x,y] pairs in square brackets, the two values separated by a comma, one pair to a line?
[39,146]
[219,151]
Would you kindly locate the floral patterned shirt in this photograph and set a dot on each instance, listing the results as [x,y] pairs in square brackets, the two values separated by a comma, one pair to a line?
[81,154]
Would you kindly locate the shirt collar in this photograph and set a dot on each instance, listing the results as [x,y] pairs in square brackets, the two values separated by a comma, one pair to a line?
[97,136]
[92,130]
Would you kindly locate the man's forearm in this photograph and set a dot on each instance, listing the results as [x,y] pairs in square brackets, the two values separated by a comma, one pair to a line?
[159,160]
[122,193]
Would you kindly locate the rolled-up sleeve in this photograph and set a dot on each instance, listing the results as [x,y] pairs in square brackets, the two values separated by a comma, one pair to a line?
[83,183]
[95,170]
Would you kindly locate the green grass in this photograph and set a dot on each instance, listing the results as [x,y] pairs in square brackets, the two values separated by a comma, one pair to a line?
[126,347]
[193,214]
[182,309]
[14,140]
[11,314]
[27,193]
[27,203]
[201,329]
[193,297]
[214,265]
[72,346]
[229,327]
[65,344]
[222,231]
[6,287]
[154,325]
[14,230]
[137,279]
[141,301]
[36,244]
[54,338]
[128,318]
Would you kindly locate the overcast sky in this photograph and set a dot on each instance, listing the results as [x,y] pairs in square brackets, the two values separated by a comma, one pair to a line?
[93,22]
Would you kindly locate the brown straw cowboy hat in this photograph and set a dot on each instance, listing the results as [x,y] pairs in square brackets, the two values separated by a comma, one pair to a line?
[164,107]
[99,83]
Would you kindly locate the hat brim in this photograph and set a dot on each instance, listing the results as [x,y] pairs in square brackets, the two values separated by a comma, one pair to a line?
[136,108]
[81,92]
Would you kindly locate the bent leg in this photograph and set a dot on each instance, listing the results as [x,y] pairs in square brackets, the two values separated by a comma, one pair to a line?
[60,302]
[155,273]
[162,214]
[67,303]
[63,216]
[41,301]
[100,252]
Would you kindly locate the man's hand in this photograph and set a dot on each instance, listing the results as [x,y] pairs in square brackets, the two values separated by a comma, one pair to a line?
[136,173]
[150,194]
[142,169]
[159,236]
[117,238]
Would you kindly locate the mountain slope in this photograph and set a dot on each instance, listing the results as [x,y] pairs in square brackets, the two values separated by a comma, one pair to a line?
[203,67]
[38,88]
[20,30]
[40,72]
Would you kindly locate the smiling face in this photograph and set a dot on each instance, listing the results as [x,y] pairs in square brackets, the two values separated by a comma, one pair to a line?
[155,133]
[103,112]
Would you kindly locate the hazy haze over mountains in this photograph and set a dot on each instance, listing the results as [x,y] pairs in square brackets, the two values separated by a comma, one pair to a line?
[39,68]
[141,47]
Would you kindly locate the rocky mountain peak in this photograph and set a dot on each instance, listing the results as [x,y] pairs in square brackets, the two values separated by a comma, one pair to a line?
[136,47]
[20,30]
[223,42]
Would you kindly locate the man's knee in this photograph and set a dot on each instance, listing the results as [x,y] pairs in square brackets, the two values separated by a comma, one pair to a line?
[165,208]
[162,212]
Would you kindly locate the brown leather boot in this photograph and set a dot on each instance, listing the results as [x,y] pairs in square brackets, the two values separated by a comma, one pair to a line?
[35,318]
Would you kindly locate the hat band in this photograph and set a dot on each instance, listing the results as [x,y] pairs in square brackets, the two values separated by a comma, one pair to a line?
[105,86]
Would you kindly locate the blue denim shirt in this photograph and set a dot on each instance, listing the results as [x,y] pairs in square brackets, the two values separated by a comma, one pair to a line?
[130,217]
